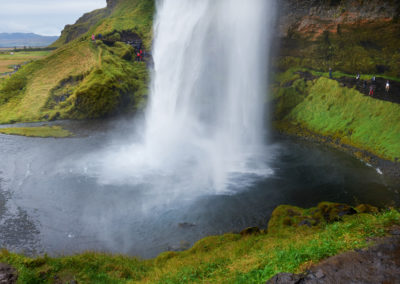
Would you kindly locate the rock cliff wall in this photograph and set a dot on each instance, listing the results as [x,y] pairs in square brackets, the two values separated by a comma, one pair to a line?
[349,35]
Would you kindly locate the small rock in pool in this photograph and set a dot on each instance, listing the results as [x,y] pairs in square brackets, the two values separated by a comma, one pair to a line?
[186,225]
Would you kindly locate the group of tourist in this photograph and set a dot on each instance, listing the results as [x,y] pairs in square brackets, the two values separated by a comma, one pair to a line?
[372,87]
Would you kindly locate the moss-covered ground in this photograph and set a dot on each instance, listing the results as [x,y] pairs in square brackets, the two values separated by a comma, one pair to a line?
[40,131]
[289,245]
[342,114]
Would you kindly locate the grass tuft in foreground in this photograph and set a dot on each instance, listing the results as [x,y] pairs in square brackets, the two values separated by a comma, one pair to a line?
[231,258]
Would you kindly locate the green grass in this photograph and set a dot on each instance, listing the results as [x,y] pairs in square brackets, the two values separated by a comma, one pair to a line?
[132,15]
[228,258]
[8,60]
[82,79]
[343,114]
[25,55]
[40,131]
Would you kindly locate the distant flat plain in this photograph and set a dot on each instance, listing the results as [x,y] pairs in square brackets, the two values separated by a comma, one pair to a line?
[9,58]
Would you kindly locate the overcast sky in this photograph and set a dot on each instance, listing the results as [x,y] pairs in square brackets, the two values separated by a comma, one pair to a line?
[44,17]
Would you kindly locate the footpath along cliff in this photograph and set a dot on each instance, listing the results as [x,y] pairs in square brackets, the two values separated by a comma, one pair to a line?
[349,38]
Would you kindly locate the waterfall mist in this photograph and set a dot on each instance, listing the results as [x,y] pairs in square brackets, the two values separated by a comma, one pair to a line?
[204,129]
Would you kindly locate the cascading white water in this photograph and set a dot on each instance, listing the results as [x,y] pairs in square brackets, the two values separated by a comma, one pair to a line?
[204,124]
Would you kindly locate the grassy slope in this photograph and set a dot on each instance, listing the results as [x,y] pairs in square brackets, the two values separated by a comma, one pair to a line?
[136,16]
[343,114]
[229,258]
[82,79]
[41,131]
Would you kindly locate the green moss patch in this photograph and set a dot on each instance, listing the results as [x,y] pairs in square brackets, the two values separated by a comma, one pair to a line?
[41,131]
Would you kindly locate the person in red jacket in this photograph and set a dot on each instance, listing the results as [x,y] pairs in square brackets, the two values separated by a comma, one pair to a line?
[371,90]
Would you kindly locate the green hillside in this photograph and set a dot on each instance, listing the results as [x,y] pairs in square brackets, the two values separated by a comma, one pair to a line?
[84,79]
[342,115]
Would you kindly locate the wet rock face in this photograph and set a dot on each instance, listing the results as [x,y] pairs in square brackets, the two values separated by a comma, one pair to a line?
[8,275]
[315,16]
[378,264]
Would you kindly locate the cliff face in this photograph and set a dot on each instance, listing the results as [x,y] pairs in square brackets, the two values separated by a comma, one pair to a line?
[312,17]
[349,35]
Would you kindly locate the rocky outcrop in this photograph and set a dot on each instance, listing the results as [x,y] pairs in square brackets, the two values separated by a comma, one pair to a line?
[8,275]
[348,35]
[111,3]
[377,264]
[313,17]
[84,23]
[324,213]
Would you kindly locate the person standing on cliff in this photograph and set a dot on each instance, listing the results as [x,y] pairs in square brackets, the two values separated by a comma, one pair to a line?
[330,73]
[93,37]
[371,90]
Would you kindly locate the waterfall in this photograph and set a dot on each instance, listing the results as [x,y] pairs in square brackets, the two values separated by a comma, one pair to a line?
[204,127]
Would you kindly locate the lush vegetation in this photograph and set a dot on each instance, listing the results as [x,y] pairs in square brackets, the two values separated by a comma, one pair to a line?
[40,131]
[342,114]
[289,245]
[84,79]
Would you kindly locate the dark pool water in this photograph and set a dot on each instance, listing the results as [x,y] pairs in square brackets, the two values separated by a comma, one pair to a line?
[47,207]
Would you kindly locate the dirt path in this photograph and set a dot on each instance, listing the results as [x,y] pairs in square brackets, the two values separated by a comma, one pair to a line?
[377,264]
[379,88]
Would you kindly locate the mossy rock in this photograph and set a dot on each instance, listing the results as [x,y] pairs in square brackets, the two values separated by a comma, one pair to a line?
[366,208]
[285,216]
[250,231]
[332,212]
[326,212]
